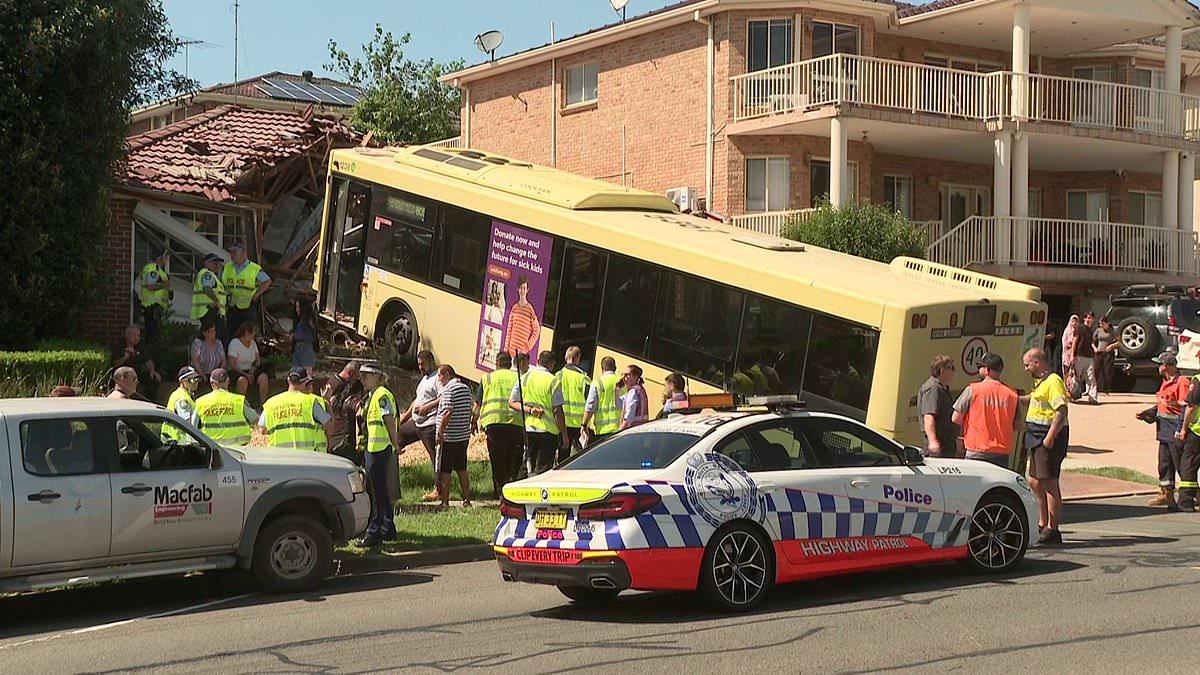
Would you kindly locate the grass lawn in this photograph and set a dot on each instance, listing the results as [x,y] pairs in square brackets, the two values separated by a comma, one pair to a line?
[455,526]
[417,479]
[1118,472]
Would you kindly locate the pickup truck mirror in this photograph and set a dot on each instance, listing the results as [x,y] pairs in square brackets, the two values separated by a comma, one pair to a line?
[214,458]
[913,456]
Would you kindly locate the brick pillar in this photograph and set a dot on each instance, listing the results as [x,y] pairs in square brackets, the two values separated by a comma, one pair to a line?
[112,311]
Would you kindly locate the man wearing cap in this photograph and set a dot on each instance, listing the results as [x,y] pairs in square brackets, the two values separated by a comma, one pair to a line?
[1171,398]
[156,296]
[381,442]
[208,295]
[294,419]
[986,411]
[222,414]
[182,403]
[246,282]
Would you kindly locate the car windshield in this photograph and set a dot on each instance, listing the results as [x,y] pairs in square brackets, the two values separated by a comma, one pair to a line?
[634,450]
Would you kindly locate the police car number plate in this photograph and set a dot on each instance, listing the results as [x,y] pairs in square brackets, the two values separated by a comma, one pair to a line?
[550,519]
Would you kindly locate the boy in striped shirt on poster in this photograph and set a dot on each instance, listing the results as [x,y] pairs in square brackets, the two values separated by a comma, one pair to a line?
[454,427]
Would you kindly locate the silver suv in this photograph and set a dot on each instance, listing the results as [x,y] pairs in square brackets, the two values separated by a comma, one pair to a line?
[98,489]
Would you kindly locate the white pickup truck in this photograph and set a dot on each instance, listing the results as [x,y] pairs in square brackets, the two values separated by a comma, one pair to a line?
[94,489]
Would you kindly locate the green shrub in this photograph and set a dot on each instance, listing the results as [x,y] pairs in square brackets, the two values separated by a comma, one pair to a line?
[36,373]
[174,347]
[862,228]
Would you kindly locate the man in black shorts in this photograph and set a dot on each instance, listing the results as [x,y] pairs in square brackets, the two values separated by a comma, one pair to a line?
[453,433]
[1046,438]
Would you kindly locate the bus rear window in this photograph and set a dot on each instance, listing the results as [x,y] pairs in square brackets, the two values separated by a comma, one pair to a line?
[979,320]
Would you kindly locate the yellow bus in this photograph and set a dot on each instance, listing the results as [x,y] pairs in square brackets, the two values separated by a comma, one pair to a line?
[467,254]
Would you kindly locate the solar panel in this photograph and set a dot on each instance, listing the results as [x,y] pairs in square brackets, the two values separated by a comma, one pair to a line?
[309,91]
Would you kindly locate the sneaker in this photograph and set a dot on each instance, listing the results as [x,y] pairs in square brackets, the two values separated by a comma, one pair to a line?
[1049,537]
[367,542]
[466,503]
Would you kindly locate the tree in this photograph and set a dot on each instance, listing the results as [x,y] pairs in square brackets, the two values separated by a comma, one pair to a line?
[402,101]
[70,70]
[860,228]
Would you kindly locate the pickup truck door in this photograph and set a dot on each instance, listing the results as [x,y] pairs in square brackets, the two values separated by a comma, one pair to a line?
[61,499]
[165,496]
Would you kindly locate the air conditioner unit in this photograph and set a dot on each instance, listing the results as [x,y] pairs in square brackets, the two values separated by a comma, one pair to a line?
[684,197]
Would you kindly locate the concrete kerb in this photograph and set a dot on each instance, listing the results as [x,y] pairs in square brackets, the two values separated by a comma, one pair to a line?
[403,560]
[1112,495]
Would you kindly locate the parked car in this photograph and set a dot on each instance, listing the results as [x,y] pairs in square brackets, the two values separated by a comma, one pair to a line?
[1149,319]
[105,489]
[1189,348]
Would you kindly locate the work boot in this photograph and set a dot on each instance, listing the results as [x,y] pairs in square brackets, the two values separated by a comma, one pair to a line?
[1187,500]
[1171,505]
[1161,499]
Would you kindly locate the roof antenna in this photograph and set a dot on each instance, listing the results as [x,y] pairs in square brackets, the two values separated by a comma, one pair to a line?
[619,7]
[235,53]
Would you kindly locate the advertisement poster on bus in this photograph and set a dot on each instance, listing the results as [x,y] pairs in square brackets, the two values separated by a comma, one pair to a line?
[514,293]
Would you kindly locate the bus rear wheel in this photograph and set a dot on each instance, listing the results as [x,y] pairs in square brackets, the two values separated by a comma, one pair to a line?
[400,335]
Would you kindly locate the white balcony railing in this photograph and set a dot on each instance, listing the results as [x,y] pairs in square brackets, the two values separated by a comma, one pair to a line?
[452,142]
[992,240]
[769,222]
[918,88]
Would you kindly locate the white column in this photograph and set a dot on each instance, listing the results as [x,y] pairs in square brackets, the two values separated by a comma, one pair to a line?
[839,181]
[1020,60]
[1170,189]
[1002,194]
[1020,175]
[1173,58]
[1187,182]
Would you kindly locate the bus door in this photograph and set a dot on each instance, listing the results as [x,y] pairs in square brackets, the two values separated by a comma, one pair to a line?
[343,271]
[579,302]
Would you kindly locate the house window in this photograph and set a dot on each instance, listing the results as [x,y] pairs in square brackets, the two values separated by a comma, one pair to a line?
[769,44]
[1145,208]
[581,83]
[897,194]
[767,184]
[1152,78]
[958,63]
[1035,202]
[834,38]
[819,179]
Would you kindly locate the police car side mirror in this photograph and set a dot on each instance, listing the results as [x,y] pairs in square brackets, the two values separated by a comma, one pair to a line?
[913,456]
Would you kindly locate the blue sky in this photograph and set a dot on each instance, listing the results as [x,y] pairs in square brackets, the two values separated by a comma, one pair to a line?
[291,35]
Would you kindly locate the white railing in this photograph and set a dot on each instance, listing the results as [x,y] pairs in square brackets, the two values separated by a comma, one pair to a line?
[452,142]
[918,88]
[769,222]
[991,240]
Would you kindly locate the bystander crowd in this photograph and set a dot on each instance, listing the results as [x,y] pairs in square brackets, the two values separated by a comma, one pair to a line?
[635,405]
[343,393]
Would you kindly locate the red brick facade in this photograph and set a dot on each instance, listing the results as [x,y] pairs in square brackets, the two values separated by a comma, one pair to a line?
[113,311]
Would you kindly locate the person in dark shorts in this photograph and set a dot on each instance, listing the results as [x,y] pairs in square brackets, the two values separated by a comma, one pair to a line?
[936,409]
[419,422]
[1188,449]
[455,413]
[1046,438]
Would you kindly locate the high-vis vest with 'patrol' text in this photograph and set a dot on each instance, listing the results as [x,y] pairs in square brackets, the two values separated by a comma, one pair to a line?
[497,385]
[289,421]
[222,416]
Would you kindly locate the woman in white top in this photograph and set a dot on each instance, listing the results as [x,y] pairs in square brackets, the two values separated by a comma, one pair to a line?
[245,363]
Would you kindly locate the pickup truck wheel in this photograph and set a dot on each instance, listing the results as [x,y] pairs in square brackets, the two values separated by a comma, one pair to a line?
[292,553]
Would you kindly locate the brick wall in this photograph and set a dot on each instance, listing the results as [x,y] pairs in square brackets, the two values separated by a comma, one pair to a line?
[112,311]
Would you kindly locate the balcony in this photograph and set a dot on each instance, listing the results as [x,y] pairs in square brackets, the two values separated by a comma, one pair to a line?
[1086,245]
[846,79]
[769,222]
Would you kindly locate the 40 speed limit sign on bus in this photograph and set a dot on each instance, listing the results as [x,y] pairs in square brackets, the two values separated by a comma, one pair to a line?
[972,354]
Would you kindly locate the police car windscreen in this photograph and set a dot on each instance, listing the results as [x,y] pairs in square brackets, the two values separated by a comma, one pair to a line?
[634,451]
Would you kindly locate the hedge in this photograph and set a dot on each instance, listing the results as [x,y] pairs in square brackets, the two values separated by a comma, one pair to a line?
[36,373]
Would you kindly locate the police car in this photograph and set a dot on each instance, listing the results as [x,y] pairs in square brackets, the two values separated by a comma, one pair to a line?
[732,501]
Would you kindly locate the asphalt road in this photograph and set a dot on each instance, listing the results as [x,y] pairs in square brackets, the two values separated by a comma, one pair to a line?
[1119,596]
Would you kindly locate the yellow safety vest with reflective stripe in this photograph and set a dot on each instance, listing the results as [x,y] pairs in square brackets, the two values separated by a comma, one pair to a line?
[1048,395]
[377,433]
[322,442]
[150,297]
[241,285]
[1194,427]
[289,421]
[200,300]
[170,432]
[222,417]
[574,385]
[497,386]
[536,389]
[607,416]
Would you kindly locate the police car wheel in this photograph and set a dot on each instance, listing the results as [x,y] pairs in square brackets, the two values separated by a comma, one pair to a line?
[292,553]
[589,597]
[738,568]
[999,535]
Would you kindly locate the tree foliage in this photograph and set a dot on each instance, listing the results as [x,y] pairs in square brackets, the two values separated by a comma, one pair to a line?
[69,72]
[861,228]
[402,101]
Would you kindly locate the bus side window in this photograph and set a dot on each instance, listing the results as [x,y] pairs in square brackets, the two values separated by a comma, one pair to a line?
[463,242]
[774,346]
[628,305]
[696,327]
[841,361]
[403,226]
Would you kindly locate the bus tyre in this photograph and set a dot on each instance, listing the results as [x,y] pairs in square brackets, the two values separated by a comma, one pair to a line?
[589,597]
[998,535]
[738,568]
[400,335]
[292,553]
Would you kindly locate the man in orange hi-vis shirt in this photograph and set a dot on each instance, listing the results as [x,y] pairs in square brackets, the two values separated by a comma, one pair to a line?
[987,412]
[521,336]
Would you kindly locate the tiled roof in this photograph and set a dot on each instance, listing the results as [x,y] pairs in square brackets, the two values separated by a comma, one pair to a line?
[207,154]
[905,10]
[1191,41]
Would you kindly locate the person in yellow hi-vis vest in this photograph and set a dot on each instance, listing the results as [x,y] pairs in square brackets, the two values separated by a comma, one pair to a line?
[245,282]
[156,296]
[601,409]
[574,384]
[294,419]
[540,402]
[208,295]
[222,414]
[382,446]
[500,423]
[182,403]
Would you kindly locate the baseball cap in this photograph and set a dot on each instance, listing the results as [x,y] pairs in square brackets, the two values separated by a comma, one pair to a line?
[189,373]
[1167,358]
[213,257]
[218,375]
[299,376]
[237,245]
[370,369]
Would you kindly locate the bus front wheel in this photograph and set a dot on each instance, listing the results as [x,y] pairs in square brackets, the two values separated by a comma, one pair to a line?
[400,335]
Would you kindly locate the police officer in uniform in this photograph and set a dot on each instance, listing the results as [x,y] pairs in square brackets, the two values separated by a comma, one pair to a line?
[246,282]
[156,296]
[382,441]
[500,423]
[182,403]
[222,414]
[574,384]
[1188,449]
[293,419]
[208,295]
[601,408]
[541,402]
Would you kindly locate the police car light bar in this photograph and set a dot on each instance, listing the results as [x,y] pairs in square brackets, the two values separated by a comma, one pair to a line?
[775,401]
